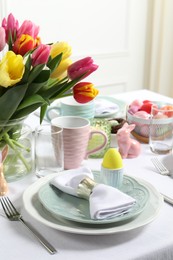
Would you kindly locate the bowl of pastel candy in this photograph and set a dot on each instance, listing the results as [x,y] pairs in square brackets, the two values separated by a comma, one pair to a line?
[139,113]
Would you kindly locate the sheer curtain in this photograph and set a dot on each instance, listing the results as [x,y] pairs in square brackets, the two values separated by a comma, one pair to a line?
[159,52]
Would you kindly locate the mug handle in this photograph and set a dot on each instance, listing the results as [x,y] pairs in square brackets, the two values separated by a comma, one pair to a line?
[101,146]
[49,109]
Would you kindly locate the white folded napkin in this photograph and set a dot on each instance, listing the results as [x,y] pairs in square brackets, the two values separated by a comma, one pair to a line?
[104,201]
[68,181]
[104,106]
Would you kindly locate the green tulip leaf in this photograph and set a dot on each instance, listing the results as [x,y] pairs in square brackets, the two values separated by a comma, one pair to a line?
[28,110]
[27,69]
[53,63]
[60,90]
[34,88]
[38,83]
[35,72]
[10,101]
[31,100]
[42,112]
[43,76]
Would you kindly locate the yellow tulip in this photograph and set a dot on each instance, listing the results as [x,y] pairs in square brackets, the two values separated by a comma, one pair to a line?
[61,47]
[61,71]
[11,69]
[65,49]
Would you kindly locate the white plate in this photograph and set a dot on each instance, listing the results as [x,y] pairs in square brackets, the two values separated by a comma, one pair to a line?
[120,107]
[33,206]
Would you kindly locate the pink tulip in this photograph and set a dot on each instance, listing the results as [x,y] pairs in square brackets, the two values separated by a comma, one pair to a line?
[29,28]
[2,38]
[40,55]
[83,66]
[11,26]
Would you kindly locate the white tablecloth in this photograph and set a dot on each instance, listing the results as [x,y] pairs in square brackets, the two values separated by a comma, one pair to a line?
[153,241]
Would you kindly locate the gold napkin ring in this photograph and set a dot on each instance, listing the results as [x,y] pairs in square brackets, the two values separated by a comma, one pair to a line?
[85,188]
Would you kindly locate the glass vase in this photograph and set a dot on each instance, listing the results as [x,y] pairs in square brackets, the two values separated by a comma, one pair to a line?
[19,139]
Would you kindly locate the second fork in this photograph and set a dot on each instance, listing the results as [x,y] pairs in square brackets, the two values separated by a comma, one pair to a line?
[160,166]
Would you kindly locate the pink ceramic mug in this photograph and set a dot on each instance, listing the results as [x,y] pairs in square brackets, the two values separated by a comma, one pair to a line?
[76,135]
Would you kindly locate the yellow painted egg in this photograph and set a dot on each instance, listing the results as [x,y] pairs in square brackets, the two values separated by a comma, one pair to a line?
[112,159]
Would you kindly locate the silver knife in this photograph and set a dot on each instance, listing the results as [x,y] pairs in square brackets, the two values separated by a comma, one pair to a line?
[167,199]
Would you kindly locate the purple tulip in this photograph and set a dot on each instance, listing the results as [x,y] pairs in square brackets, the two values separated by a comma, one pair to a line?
[2,38]
[40,55]
[83,66]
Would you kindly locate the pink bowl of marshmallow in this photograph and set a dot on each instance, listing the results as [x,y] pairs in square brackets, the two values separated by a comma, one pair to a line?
[139,113]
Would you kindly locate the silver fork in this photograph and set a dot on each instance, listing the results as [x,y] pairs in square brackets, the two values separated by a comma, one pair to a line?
[14,215]
[160,166]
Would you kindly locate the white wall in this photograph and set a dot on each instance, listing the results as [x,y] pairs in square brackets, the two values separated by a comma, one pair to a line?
[159,61]
[112,32]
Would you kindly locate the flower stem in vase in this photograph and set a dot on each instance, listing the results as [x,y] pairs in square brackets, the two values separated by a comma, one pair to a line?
[13,145]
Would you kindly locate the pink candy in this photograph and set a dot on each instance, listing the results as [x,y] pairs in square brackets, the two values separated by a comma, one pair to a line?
[135,106]
[142,114]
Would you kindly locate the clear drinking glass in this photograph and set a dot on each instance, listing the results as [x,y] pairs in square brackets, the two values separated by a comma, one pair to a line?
[49,152]
[161,130]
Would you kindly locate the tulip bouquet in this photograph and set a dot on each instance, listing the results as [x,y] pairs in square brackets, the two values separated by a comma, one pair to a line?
[34,74]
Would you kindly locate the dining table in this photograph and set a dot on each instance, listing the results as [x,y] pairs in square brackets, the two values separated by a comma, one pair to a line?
[147,236]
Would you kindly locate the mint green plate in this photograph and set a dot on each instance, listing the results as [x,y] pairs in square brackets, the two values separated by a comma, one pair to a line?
[60,204]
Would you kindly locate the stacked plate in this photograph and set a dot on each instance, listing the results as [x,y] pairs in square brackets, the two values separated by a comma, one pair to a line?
[106,107]
[70,214]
